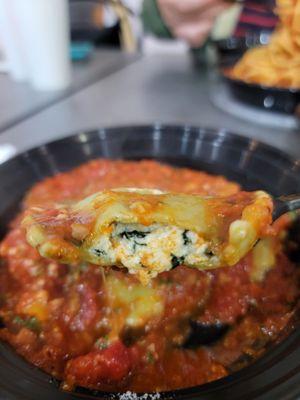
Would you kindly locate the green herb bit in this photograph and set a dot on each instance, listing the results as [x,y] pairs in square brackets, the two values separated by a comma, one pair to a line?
[150,357]
[186,239]
[175,261]
[99,252]
[134,234]
[102,343]
[31,323]
[208,252]
[18,320]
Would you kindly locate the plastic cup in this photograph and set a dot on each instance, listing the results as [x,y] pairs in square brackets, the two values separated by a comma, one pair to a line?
[46,38]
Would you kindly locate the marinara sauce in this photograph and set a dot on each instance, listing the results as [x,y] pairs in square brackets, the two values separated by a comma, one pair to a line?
[100,329]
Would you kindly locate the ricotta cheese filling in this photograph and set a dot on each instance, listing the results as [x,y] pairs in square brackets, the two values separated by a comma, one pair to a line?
[150,250]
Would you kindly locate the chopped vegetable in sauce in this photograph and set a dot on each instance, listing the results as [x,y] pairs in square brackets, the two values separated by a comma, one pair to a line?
[101,328]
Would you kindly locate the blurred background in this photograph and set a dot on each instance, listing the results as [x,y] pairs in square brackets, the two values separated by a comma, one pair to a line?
[146,61]
[209,28]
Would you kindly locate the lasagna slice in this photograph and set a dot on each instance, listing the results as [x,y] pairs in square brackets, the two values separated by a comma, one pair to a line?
[149,232]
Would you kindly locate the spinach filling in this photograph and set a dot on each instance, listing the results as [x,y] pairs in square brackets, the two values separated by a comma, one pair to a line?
[99,252]
[208,252]
[176,261]
[134,236]
[186,239]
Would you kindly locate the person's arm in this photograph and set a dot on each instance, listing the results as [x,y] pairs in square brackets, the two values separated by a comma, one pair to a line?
[189,20]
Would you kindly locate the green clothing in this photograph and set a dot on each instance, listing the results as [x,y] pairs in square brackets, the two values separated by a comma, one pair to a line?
[153,21]
[154,24]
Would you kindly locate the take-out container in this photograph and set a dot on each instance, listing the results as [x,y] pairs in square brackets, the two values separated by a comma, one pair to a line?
[280,100]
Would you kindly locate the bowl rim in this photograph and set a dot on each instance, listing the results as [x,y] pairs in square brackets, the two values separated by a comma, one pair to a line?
[165,128]
[264,88]
[211,133]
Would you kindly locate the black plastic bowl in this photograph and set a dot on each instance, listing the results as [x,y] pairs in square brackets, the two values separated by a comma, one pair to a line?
[282,100]
[274,376]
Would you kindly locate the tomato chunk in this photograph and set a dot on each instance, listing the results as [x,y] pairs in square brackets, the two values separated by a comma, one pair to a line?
[101,366]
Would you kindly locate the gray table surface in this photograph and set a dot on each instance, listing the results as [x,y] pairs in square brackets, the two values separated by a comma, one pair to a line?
[157,88]
[19,101]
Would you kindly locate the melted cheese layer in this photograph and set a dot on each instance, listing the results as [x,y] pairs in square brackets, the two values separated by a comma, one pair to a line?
[148,231]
